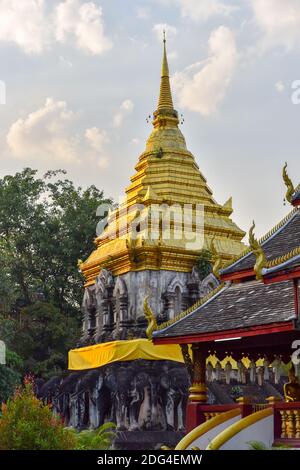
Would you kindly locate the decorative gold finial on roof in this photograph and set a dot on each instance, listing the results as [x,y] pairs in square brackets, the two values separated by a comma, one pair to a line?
[165,101]
[259,253]
[288,183]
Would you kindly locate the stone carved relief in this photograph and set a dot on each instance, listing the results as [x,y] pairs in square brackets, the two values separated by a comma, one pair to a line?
[208,284]
[139,395]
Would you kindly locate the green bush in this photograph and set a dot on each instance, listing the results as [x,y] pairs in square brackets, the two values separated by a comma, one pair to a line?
[28,424]
[100,439]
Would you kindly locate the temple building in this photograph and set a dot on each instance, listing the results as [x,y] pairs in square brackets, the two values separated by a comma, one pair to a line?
[252,315]
[149,249]
[153,239]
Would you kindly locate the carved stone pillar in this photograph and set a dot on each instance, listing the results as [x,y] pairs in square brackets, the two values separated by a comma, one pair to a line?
[92,324]
[198,390]
[85,326]
[99,324]
[170,304]
[193,292]
[123,305]
[185,303]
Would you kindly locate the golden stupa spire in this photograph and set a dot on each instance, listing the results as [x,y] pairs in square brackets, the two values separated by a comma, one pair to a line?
[165,101]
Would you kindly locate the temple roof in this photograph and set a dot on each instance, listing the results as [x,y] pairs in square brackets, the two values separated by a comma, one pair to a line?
[236,306]
[282,239]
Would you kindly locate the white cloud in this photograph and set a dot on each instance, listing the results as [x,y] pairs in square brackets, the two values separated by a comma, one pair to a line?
[43,134]
[201,10]
[125,109]
[96,138]
[34,28]
[280,22]
[202,87]
[159,28]
[279,86]
[47,136]
[23,22]
[84,23]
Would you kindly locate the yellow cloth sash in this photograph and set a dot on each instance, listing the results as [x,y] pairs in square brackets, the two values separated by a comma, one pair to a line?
[91,357]
[98,355]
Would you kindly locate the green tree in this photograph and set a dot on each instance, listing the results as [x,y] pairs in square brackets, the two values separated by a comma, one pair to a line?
[10,375]
[46,225]
[44,336]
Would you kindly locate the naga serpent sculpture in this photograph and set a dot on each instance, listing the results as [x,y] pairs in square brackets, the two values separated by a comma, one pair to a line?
[288,183]
[258,251]
[152,324]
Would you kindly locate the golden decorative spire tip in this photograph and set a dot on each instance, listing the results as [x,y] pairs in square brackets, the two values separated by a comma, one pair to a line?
[165,101]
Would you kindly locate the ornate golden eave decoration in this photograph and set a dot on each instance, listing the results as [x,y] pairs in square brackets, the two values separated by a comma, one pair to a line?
[283,259]
[263,238]
[196,305]
[259,253]
[288,182]
[152,324]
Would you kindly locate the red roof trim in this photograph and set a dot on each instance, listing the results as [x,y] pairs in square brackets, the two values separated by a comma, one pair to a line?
[237,275]
[281,276]
[209,337]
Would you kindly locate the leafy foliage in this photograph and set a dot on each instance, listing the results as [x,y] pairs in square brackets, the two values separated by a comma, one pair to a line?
[258,445]
[46,225]
[10,375]
[27,424]
[100,439]
[204,263]
[44,335]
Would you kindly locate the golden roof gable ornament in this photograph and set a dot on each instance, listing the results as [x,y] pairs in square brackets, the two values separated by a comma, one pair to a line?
[216,259]
[261,260]
[288,182]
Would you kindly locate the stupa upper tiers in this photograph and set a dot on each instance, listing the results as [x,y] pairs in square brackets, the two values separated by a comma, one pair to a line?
[135,237]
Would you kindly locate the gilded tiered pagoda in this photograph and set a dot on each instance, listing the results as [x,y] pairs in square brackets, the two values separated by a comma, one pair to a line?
[135,257]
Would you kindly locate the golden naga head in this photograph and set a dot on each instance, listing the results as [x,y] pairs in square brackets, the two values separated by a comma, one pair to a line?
[79,263]
[216,259]
[261,260]
[288,182]
[152,324]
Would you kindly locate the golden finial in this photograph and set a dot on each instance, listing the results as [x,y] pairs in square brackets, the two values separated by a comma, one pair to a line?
[152,324]
[258,251]
[165,96]
[216,259]
[288,183]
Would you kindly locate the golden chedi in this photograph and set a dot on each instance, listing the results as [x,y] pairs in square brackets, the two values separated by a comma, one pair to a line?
[153,239]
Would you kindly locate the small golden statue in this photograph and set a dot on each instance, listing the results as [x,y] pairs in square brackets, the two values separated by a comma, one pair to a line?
[292,388]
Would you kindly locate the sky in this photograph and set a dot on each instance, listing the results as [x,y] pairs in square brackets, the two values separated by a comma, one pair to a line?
[79,78]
